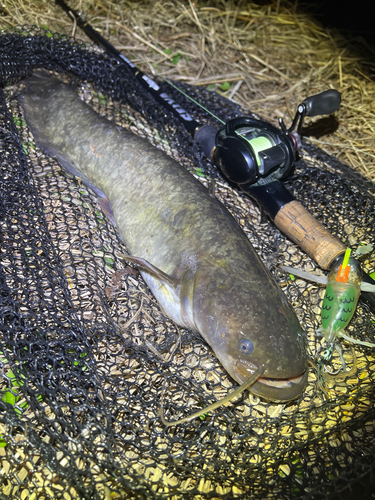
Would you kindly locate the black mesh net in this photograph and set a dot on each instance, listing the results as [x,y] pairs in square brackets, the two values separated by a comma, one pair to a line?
[85,348]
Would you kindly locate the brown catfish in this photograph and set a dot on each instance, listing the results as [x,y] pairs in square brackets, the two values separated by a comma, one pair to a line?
[196,260]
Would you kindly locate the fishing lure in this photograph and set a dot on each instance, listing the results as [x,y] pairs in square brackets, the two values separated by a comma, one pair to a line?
[344,285]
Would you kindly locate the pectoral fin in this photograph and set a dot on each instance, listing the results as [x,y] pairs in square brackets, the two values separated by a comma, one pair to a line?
[322,280]
[187,298]
[157,273]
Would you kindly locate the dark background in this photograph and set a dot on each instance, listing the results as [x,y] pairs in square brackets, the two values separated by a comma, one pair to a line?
[356,17]
[353,19]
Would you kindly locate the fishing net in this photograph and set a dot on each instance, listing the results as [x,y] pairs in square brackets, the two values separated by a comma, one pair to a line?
[85,349]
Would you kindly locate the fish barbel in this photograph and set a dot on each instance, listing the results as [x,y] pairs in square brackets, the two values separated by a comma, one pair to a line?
[196,260]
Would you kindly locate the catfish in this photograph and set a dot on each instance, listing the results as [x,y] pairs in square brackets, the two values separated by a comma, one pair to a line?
[196,260]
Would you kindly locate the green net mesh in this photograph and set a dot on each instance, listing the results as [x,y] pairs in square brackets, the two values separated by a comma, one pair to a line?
[85,349]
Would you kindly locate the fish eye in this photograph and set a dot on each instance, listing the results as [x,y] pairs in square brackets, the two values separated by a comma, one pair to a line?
[245,346]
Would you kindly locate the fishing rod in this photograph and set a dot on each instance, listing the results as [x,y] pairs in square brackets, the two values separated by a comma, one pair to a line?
[254,155]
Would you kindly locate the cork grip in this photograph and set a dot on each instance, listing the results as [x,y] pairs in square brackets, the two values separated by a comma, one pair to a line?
[302,228]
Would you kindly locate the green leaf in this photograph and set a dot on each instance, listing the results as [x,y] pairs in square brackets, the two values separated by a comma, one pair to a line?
[12,379]
[224,86]
[167,51]
[200,172]
[211,86]
[176,58]
[8,397]
[49,34]
[102,99]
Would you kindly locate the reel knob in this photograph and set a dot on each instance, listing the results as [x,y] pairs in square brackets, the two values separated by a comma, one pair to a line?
[324,103]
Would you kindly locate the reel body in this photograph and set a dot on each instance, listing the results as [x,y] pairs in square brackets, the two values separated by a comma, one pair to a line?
[254,152]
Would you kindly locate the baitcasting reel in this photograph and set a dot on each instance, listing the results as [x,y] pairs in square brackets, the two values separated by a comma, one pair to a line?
[253,152]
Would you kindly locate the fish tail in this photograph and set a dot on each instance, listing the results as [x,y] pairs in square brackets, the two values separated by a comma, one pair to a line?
[38,87]
[39,103]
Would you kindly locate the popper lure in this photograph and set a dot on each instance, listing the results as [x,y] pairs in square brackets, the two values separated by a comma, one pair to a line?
[344,285]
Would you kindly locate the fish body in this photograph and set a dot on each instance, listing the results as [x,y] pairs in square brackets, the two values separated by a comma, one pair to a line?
[197,261]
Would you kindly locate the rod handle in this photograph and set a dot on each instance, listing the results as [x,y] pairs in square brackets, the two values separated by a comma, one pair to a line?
[302,228]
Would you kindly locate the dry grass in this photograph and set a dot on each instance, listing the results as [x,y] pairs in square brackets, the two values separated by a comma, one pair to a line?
[268,58]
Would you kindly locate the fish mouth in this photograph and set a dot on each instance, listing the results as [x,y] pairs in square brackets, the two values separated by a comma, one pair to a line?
[273,389]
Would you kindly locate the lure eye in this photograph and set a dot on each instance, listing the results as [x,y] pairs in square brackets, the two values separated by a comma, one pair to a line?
[245,346]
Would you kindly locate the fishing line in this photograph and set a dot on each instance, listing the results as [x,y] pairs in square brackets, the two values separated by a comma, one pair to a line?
[192,99]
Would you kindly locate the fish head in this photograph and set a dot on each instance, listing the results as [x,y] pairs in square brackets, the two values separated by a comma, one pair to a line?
[251,326]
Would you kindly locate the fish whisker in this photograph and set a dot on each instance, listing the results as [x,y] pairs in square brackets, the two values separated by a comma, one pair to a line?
[237,392]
